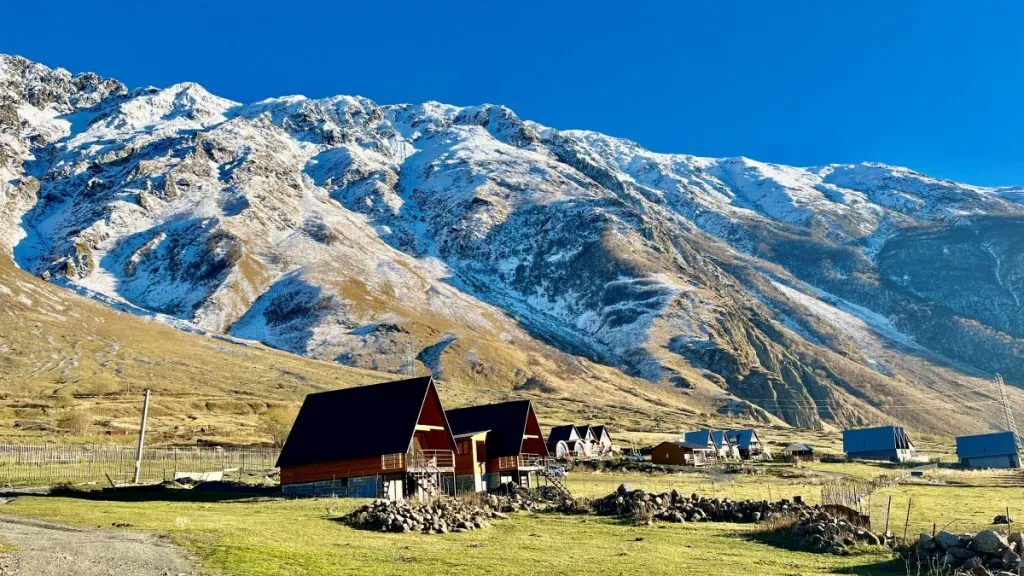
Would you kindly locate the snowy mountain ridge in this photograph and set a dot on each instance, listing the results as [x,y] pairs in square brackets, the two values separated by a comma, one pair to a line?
[476,245]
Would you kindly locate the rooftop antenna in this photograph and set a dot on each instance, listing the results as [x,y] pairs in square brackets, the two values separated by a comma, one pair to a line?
[1011,425]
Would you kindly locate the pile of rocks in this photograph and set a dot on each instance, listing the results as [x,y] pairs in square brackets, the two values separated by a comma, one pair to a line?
[512,497]
[822,532]
[440,516]
[987,552]
[671,506]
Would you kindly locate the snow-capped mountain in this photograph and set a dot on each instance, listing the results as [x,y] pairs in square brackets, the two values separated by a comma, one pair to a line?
[485,247]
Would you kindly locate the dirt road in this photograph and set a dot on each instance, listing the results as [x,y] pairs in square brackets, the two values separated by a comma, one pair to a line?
[45,549]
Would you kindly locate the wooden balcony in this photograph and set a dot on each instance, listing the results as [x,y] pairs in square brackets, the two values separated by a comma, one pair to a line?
[521,462]
[429,461]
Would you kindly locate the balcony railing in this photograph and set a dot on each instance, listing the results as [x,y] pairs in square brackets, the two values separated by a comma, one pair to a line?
[428,459]
[418,460]
[392,462]
[521,461]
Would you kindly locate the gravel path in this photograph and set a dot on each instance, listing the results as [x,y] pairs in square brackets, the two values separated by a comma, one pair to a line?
[45,549]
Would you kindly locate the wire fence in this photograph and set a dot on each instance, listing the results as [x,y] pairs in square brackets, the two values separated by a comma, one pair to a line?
[54,464]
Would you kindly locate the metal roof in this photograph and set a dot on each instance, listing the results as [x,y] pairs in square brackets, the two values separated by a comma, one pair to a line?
[994,444]
[506,421]
[585,431]
[565,432]
[358,422]
[742,438]
[878,438]
[600,432]
[721,440]
[690,445]
[705,437]
[797,447]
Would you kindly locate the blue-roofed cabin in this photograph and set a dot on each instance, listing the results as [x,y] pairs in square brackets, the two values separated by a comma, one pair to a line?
[889,443]
[996,450]
[749,444]
[717,438]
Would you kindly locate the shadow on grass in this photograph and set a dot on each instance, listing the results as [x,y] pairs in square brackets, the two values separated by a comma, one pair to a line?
[785,539]
[219,492]
[885,567]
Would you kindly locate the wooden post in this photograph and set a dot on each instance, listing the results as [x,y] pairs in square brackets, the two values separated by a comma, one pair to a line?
[906,525]
[888,507]
[142,438]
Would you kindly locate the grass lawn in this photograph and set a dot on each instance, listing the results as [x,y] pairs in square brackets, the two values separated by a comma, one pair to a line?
[277,537]
[303,537]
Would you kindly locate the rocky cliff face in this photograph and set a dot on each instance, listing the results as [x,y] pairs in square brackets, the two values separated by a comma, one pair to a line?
[483,247]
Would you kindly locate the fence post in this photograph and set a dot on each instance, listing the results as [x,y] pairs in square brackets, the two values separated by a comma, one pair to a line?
[142,437]
[906,525]
[888,506]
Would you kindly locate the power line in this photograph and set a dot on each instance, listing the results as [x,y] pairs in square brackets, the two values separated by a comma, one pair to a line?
[881,406]
[907,397]
[1011,425]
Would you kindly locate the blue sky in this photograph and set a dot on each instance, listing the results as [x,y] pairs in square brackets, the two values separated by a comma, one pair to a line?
[932,85]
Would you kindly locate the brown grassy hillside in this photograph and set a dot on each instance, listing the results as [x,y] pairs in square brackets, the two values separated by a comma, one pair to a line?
[61,353]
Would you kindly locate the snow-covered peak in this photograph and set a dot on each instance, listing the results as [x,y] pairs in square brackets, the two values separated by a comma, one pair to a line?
[187,104]
[356,232]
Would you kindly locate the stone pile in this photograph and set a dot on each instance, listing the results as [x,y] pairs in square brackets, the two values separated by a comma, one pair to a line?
[512,497]
[983,554]
[440,516]
[671,506]
[822,532]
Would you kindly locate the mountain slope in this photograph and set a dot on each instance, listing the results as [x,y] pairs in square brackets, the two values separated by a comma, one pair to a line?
[60,352]
[494,251]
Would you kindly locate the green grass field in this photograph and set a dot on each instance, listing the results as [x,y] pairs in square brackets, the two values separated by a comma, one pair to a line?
[277,537]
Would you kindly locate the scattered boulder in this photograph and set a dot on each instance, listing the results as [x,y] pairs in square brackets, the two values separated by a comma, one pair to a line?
[643,507]
[820,531]
[947,540]
[983,554]
[989,542]
[436,517]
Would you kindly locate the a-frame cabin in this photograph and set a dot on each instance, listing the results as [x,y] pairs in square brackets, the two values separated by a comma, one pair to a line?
[512,447]
[388,440]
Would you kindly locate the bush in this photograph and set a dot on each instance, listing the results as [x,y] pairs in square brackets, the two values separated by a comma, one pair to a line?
[276,423]
[75,421]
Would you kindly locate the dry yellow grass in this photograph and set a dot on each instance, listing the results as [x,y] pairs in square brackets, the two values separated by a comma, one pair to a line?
[61,352]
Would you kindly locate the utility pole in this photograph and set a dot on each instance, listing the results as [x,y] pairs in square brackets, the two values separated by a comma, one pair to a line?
[409,358]
[142,438]
[1011,425]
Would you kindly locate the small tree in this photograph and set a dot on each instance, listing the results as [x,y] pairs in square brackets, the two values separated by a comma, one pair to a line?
[76,421]
[276,423]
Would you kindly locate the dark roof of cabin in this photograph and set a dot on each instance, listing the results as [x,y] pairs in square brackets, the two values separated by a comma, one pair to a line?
[874,439]
[797,447]
[720,438]
[717,437]
[995,444]
[685,444]
[600,431]
[358,422]
[742,438]
[699,437]
[506,422]
[583,430]
[563,432]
